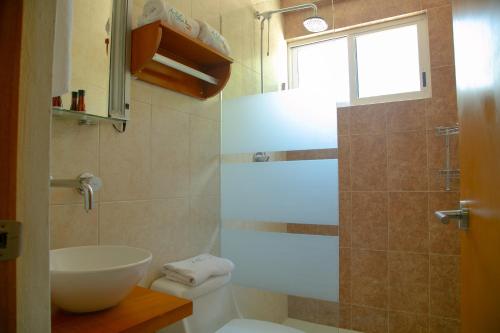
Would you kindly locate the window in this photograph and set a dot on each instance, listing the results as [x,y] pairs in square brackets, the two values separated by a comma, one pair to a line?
[377,63]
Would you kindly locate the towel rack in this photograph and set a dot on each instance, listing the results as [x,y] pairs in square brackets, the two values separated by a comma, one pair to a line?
[173,60]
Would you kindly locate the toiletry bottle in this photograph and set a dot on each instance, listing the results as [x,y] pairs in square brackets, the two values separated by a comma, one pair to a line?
[81,100]
[56,102]
[74,100]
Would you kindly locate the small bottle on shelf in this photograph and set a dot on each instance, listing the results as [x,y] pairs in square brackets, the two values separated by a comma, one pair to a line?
[57,102]
[74,100]
[81,101]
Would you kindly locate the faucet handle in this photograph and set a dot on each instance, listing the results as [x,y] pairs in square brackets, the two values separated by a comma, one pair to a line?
[94,181]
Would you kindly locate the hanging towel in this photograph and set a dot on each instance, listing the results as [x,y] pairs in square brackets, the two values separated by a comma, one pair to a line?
[196,270]
[155,10]
[213,38]
[61,64]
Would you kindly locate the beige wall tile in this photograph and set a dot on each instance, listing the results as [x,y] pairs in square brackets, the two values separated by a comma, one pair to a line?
[128,223]
[204,156]
[435,3]
[125,158]
[74,150]
[70,226]
[170,153]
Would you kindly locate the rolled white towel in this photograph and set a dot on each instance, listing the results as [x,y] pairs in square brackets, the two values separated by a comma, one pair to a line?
[196,270]
[213,38]
[155,10]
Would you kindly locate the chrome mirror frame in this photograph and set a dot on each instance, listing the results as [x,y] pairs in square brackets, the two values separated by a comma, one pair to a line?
[119,78]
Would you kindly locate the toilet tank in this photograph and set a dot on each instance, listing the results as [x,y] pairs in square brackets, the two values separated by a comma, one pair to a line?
[213,303]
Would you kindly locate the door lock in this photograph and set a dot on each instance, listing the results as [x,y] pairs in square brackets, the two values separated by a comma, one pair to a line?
[10,239]
[461,215]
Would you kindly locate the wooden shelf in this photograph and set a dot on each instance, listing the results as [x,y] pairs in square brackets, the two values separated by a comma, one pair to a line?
[143,311]
[160,40]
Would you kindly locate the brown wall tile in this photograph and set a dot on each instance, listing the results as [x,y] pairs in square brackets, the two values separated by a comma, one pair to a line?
[344,156]
[405,116]
[369,278]
[345,275]
[352,12]
[368,162]
[368,119]
[441,36]
[403,322]
[408,282]
[441,109]
[369,320]
[408,227]
[435,3]
[345,219]
[369,220]
[407,161]
[444,238]
[343,120]
[443,325]
[445,286]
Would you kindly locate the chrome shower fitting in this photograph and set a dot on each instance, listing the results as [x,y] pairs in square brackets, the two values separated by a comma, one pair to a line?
[86,184]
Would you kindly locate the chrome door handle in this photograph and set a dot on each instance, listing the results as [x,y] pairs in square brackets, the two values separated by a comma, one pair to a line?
[462,215]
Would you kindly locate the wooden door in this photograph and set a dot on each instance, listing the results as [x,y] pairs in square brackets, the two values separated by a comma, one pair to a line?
[10,57]
[476,26]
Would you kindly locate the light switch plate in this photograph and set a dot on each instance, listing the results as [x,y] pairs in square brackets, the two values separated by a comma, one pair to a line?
[10,239]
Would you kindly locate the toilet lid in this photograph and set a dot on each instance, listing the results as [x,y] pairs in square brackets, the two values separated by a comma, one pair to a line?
[255,326]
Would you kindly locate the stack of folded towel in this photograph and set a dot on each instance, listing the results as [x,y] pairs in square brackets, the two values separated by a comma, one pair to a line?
[155,10]
[196,270]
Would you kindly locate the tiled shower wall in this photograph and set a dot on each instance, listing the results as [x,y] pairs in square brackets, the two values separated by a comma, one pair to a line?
[399,265]
[161,177]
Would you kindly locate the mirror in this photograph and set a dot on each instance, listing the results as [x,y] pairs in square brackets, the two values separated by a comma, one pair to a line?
[100,53]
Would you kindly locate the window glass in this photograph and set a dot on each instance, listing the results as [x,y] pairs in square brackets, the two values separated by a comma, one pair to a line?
[324,65]
[388,62]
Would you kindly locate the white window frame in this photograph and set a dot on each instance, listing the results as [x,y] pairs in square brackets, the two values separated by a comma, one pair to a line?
[420,19]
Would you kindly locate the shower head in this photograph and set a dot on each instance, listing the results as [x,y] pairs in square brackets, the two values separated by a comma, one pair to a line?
[315,24]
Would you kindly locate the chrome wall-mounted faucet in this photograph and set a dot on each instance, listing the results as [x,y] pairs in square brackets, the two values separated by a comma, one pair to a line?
[86,184]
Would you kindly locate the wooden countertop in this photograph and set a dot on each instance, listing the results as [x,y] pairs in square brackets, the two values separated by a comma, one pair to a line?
[143,311]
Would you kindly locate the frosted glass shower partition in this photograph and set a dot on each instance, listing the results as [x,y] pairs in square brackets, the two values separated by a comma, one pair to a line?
[270,210]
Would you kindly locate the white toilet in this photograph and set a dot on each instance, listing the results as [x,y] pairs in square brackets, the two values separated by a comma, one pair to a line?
[214,309]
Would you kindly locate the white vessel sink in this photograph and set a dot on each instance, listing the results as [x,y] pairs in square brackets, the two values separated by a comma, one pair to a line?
[92,278]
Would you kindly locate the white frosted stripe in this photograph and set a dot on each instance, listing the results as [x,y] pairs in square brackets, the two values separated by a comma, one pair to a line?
[300,265]
[291,191]
[286,120]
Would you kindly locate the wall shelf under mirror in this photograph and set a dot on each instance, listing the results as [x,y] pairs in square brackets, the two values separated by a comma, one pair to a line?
[84,118]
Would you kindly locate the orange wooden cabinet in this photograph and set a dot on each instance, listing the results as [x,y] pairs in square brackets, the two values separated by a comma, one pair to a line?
[156,43]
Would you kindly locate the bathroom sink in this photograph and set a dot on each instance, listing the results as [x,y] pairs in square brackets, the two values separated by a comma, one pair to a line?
[93,278]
